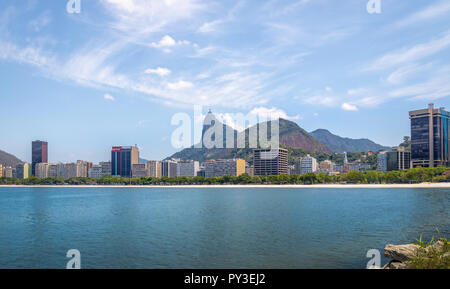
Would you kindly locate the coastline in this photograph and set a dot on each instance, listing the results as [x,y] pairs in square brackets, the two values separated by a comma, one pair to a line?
[288,186]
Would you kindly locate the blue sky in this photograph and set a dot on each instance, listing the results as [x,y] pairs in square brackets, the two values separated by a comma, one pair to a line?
[116,73]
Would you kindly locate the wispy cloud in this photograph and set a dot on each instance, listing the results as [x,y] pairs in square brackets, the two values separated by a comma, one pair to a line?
[349,107]
[410,54]
[158,71]
[432,12]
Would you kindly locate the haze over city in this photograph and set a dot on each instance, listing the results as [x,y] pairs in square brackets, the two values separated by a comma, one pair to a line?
[85,82]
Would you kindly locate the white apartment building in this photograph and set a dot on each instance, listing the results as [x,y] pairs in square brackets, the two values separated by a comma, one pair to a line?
[308,164]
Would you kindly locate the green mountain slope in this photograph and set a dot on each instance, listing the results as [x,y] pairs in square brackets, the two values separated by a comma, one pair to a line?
[340,144]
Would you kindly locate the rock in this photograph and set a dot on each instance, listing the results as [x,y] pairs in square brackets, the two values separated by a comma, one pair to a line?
[397,265]
[401,252]
[373,267]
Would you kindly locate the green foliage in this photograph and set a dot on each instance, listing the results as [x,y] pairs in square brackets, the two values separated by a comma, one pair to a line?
[432,254]
[416,175]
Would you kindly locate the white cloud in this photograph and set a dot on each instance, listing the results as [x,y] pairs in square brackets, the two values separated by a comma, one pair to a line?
[180,85]
[108,96]
[167,42]
[158,71]
[349,107]
[411,54]
[272,113]
[40,22]
[404,72]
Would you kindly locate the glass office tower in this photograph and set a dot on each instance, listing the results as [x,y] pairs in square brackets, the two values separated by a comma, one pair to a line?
[39,154]
[123,159]
[429,137]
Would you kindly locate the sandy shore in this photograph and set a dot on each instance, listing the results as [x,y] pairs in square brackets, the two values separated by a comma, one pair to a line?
[319,186]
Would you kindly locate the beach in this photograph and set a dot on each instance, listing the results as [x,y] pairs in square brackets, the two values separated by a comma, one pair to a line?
[290,186]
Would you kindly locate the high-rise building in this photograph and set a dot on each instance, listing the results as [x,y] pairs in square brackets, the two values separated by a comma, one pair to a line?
[122,160]
[23,171]
[41,170]
[169,168]
[220,168]
[270,162]
[52,170]
[429,137]
[39,154]
[187,168]
[106,168]
[95,172]
[154,169]
[8,172]
[1,171]
[395,160]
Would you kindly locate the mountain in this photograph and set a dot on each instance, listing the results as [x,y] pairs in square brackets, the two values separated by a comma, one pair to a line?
[8,160]
[340,144]
[293,137]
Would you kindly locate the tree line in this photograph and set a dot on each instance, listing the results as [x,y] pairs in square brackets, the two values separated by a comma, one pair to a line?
[410,176]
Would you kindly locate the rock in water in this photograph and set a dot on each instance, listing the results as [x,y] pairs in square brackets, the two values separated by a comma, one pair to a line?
[401,253]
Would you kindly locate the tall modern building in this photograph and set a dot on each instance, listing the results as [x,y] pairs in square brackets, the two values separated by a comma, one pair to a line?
[154,169]
[270,162]
[123,159]
[429,137]
[39,154]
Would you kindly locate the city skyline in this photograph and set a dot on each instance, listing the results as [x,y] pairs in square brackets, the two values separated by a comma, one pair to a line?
[76,79]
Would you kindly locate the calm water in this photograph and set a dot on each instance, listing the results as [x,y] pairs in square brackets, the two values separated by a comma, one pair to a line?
[212,228]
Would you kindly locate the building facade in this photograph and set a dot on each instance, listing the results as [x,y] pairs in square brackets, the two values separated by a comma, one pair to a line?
[154,169]
[106,168]
[187,168]
[398,159]
[268,162]
[123,159]
[39,154]
[95,172]
[23,171]
[169,168]
[308,164]
[429,137]
[220,168]
[139,170]
[41,170]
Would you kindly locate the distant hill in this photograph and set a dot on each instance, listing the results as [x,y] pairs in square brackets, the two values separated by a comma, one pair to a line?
[293,137]
[8,160]
[340,144]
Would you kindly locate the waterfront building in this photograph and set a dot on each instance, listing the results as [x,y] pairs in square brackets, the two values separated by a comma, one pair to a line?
[429,137]
[95,172]
[39,154]
[139,170]
[23,171]
[52,170]
[8,172]
[308,164]
[220,168]
[397,159]
[268,162]
[41,170]
[154,169]
[1,171]
[169,168]
[106,168]
[122,160]
[187,168]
